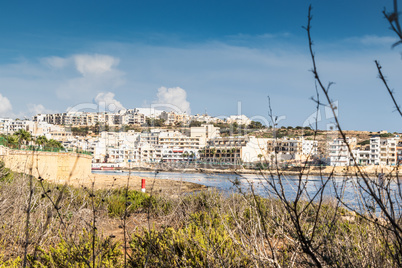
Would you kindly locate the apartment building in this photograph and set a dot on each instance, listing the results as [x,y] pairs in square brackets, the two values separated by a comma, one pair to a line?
[165,154]
[284,146]
[292,149]
[147,147]
[17,125]
[169,117]
[399,153]
[206,118]
[204,133]
[383,151]
[151,137]
[129,117]
[150,112]
[338,151]
[309,147]
[380,151]
[235,150]
[361,155]
[175,139]
[5,125]
[78,118]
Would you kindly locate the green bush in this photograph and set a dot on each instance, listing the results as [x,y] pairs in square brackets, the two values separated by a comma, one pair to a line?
[116,202]
[79,254]
[204,242]
[10,263]
[6,174]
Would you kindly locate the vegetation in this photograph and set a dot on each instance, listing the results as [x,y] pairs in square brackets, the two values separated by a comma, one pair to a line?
[152,122]
[365,142]
[386,135]
[23,140]
[255,125]
[206,229]
[195,123]
[80,131]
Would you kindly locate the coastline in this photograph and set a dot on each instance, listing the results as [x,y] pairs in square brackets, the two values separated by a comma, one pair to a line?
[370,171]
[173,187]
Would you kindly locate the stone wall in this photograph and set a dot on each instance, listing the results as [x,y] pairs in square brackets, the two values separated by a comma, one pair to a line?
[58,167]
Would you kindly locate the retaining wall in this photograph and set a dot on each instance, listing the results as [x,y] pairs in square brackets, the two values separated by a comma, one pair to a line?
[59,167]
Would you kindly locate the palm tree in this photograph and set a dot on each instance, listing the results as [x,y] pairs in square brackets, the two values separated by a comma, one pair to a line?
[53,144]
[185,155]
[24,136]
[213,152]
[41,140]
[13,140]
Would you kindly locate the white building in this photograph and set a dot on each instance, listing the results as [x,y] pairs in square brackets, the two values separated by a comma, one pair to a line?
[383,150]
[362,157]
[166,154]
[149,112]
[309,147]
[5,125]
[239,119]
[204,133]
[206,118]
[338,151]
[236,150]
[175,139]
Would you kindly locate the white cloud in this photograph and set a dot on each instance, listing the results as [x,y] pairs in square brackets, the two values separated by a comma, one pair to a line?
[378,40]
[216,76]
[56,62]
[173,99]
[94,64]
[369,41]
[35,109]
[106,101]
[97,73]
[5,106]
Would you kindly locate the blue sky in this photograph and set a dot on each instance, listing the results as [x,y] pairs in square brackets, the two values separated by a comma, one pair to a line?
[197,55]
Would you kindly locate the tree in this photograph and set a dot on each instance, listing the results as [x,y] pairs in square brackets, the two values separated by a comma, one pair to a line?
[24,136]
[53,144]
[152,122]
[185,155]
[13,140]
[195,123]
[213,152]
[97,128]
[41,140]
[255,125]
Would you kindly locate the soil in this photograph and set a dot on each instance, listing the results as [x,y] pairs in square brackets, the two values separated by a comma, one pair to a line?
[152,185]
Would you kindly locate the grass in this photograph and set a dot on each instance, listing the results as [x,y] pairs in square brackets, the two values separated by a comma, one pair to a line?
[205,229]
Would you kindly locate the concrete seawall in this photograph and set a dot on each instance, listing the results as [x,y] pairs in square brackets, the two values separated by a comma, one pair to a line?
[58,167]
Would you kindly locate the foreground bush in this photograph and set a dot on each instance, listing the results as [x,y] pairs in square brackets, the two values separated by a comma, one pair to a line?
[68,228]
[203,242]
[80,253]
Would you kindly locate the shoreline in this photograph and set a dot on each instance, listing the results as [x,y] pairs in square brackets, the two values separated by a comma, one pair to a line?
[370,171]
